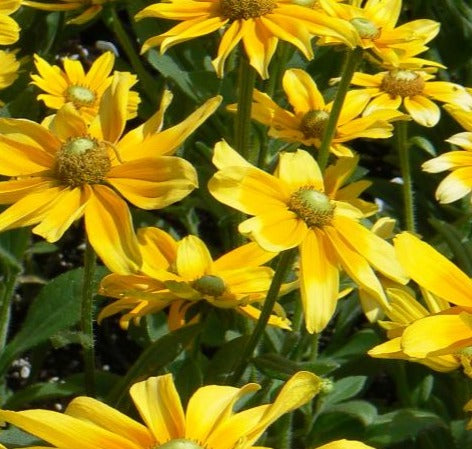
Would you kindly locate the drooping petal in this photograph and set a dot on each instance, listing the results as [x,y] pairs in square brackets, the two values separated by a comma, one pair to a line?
[159,405]
[225,156]
[432,270]
[230,39]
[422,110]
[302,91]
[193,258]
[110,231]
[158,249]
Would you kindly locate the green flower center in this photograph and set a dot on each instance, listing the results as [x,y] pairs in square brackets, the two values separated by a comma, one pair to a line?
[365,28]
[313,124]
[180,443]
[246,9]
[210,285]
[312,206]
[405,83]
[80,96]
[82,160]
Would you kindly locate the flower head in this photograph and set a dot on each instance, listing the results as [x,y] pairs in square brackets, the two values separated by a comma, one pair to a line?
[181,273]
[73,85]
[297,207]
[259,24]
[71,168]
[307,122]
[208,422]
[9,29]
[89,8]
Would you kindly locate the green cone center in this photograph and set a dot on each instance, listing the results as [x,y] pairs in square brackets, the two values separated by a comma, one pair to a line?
[405,83]
[246,9]
[210,285]
[80,96]
[82,160]
[312,206]
[313,124]
[180,443]
[365,28]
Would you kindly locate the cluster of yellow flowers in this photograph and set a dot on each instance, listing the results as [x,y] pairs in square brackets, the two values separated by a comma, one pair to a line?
[83,160]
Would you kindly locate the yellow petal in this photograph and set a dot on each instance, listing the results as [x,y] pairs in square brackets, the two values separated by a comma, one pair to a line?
[74,71]
[345,444]
[455,186]
[12,191]
[100,70]
[448,93]
[383,101]
[110,230]
[319,281]
[448,161]
[68,123]
[193,258]
[158,249]
[230,39]
[249,255]
[51,78]
[159,405]
[432,270]
[302,91]
[87,15]
[9,31]
[422,110]
[225,156]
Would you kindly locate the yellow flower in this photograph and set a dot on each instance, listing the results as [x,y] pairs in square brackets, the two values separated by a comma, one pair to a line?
[447,331]
[9,29]
[375,22]
[296,207]
[73,85]
[9,67]
[91,8]
[258,23]
[413,90]
[458,183]
[179,274]
[307,122]
[72,169]
[208,423]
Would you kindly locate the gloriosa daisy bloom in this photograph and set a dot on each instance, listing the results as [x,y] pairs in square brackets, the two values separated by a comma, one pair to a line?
[73,85]
[9,29]
[9,67]
[375,21]
[259,24]
[70,169]
[181,273]
[458,183]
[296,207]
[208,422]
[307,122]
[90,8]
[412,89]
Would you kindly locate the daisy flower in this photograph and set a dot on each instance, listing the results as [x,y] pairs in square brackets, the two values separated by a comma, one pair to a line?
[375,21]
[307,122]
[181,273]
[73,85]
[259,24]
[89,8]
[294,208]
[70,169]
[458,183]
[9,29]
[208,422]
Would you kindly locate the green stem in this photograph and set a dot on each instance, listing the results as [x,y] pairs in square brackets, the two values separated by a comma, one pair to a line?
[285,262]
[401,141]
[278,66]
[86,322]
[127,45]
[6,297]
[242,125]
[352,59]
[314,347]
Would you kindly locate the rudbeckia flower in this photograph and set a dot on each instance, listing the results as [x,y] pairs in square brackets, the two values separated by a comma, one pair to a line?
[9,29]
[259,24]
[295,208]
[70,169]
[375,21]
[73,85]
[181,273]
[9,67]
[447,331]
[412,89]
[458,183]
[208,422]
[89,8]
[307,122]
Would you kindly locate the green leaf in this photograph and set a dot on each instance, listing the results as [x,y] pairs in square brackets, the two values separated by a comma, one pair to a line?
[12,247]
[424,144]
[344,389]
[363,410]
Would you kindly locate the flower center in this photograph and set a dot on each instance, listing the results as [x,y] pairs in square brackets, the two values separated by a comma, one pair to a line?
[313,124]
[82,160]
[312,206]
[405,83]
[365,28]
[210,285]
[246,9]
[80,96]
[180,443]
